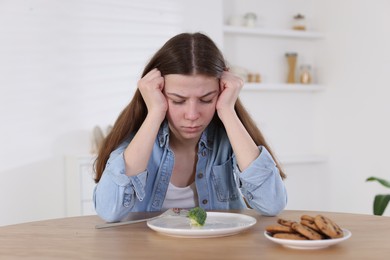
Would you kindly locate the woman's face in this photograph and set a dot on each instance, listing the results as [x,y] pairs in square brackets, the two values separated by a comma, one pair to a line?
[191,104]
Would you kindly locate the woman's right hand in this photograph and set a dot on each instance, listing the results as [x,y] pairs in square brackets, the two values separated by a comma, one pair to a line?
[151,86]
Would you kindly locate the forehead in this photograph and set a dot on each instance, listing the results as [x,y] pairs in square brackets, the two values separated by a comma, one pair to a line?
[190,85]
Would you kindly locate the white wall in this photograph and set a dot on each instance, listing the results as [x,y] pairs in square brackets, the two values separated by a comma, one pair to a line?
[65,67]
[60,60]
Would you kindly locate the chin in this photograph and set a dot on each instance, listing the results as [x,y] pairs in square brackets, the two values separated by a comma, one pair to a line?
[189,136]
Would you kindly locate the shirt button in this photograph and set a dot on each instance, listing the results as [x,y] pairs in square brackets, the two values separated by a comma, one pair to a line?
[204,153]
[200,175]
[204,201]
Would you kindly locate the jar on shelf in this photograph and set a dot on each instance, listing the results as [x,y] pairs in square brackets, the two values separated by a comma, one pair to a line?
[305,75]
[257,78]
[299,22]
[250,19]
[254,78]
[250,78]
[291,62]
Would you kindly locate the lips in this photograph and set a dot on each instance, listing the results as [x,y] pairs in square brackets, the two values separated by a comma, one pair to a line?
[192,129]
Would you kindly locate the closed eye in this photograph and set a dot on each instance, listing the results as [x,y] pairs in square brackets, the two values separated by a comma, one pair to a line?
[178,102]
[206,99]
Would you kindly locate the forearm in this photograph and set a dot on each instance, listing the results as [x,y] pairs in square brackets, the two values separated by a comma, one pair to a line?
[138,152]
[244,148]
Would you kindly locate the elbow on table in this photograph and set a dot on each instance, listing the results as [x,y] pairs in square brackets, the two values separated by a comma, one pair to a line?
[275,204]
[274,209]
[106,211]
[272,212]
[107,216]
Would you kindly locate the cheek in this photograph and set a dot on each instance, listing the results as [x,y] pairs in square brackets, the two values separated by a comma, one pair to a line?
[209,111]
[172,112]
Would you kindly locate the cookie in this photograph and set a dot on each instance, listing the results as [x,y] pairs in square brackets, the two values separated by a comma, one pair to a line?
[293,236]
[307,217]
[328,227]
[278,229]
[312,228]
[285,222]
[310,224]
[306,231]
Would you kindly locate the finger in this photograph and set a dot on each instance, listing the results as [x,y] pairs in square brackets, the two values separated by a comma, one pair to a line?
[152,74]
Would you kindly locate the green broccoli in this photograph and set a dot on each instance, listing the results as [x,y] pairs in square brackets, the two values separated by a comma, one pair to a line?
[197,216]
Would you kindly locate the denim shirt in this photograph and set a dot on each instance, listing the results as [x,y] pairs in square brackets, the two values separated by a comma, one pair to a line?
[219,182]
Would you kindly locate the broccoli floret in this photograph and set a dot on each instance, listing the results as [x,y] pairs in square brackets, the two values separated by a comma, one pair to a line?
[197,216]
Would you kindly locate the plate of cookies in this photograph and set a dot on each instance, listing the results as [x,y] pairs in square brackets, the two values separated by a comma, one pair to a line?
[311,232]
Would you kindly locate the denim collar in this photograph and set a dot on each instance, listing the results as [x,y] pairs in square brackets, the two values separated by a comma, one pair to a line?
[206,139]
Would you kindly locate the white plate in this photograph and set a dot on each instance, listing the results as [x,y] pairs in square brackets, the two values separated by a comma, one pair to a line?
[217,224]
[309,244]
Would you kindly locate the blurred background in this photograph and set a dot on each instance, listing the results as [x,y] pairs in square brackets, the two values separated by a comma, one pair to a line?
[69,66]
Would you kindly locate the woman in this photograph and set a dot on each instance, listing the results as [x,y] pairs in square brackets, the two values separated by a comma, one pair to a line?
[185,140]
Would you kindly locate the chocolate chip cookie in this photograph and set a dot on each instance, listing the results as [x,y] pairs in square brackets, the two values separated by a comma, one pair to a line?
[306,231]
[278,229]
[328,227]
[285,222]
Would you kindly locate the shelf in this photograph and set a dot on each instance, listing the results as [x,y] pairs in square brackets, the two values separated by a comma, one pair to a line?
[310,35]
[303,159]
[282,87]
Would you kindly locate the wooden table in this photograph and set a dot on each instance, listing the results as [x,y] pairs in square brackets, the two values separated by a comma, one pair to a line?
[77,238]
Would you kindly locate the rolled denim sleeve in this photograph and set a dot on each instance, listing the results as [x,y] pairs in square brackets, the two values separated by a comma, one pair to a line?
[262,185]
[115,194]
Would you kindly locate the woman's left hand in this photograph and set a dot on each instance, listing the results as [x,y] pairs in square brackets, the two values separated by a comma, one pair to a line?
[230,86]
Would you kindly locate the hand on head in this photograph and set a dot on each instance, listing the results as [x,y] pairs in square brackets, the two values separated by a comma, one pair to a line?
[152,84]
[230,86]
[151,87]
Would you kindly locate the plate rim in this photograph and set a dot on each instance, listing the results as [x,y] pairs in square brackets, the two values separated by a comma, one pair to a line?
[309,244]
[199,232]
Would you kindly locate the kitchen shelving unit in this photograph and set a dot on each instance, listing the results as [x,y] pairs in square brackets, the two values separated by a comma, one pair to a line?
[308,35]
[282,87]
[277,33]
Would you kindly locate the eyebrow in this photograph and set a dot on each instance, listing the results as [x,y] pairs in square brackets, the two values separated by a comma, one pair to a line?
[179,96]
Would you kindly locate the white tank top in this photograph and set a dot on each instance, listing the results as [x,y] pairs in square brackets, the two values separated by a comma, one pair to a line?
[178,197]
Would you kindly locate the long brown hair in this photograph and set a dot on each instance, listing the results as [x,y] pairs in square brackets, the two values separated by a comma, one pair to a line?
[185,54]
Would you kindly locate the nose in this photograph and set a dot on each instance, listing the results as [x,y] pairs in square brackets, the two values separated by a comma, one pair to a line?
[192,111]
